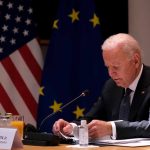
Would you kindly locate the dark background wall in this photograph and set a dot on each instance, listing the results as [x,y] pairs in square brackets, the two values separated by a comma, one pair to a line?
[113,16]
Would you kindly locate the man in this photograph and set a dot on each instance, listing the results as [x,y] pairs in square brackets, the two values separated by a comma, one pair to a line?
[122,56]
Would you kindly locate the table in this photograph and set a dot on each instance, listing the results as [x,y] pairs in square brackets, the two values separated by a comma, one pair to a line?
[63,147]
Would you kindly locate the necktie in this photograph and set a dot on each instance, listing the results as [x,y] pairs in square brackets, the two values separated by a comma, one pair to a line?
[125,105]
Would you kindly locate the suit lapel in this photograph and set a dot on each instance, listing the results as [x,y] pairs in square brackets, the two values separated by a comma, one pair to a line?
[139,96]
[140,92]
[118,97]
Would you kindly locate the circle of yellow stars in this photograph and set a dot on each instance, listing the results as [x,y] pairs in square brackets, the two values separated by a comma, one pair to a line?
[74,15]
[79,112]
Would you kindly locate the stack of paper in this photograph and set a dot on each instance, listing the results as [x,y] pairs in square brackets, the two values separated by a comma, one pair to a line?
[127,142]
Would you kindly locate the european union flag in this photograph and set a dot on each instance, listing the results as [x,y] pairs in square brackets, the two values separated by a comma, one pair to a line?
[73,63]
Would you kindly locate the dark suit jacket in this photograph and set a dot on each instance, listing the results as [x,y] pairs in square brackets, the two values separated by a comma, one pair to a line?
[107,108]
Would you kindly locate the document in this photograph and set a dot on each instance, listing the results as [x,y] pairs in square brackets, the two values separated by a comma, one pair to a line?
[134,142]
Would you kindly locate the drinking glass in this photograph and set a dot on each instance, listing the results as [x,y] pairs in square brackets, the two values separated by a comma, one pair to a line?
[17,121]
[4,121]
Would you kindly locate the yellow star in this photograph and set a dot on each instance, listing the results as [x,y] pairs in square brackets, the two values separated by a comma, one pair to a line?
[41,90]
[95,20]
[74,15]
[79,112]
[55,24]
[56,106]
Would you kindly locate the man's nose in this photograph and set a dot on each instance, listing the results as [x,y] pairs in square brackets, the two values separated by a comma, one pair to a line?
[112,73]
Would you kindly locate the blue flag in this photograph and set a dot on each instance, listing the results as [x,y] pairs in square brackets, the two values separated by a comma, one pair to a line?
[73,63]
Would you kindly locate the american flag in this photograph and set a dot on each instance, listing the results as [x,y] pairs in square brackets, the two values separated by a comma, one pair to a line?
[20,60]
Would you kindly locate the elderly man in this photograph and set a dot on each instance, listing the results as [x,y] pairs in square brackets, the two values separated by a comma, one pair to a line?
[122,111]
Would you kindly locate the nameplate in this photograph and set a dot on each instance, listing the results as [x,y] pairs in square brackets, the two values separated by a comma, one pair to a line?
[9,138]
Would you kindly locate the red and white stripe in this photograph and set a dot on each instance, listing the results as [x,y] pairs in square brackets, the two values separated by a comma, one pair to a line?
[20,76]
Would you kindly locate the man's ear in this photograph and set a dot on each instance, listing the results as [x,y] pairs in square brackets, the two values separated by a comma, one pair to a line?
[136,59]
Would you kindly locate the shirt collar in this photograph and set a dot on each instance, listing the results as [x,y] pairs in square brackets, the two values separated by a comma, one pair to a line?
[133,85]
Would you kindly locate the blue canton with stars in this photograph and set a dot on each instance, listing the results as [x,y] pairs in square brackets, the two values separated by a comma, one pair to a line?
[16,27]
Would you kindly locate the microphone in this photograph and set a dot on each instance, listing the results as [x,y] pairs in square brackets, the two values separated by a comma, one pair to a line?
[32,136]
[84,93]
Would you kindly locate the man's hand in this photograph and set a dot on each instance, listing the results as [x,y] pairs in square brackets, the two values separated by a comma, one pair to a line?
[62,126]
[99,129]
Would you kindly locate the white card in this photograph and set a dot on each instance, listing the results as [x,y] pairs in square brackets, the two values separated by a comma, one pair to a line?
[9,138]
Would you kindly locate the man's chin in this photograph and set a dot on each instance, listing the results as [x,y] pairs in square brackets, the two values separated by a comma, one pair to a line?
[119,84]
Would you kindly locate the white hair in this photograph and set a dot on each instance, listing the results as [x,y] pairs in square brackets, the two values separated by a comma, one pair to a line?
[123,41]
